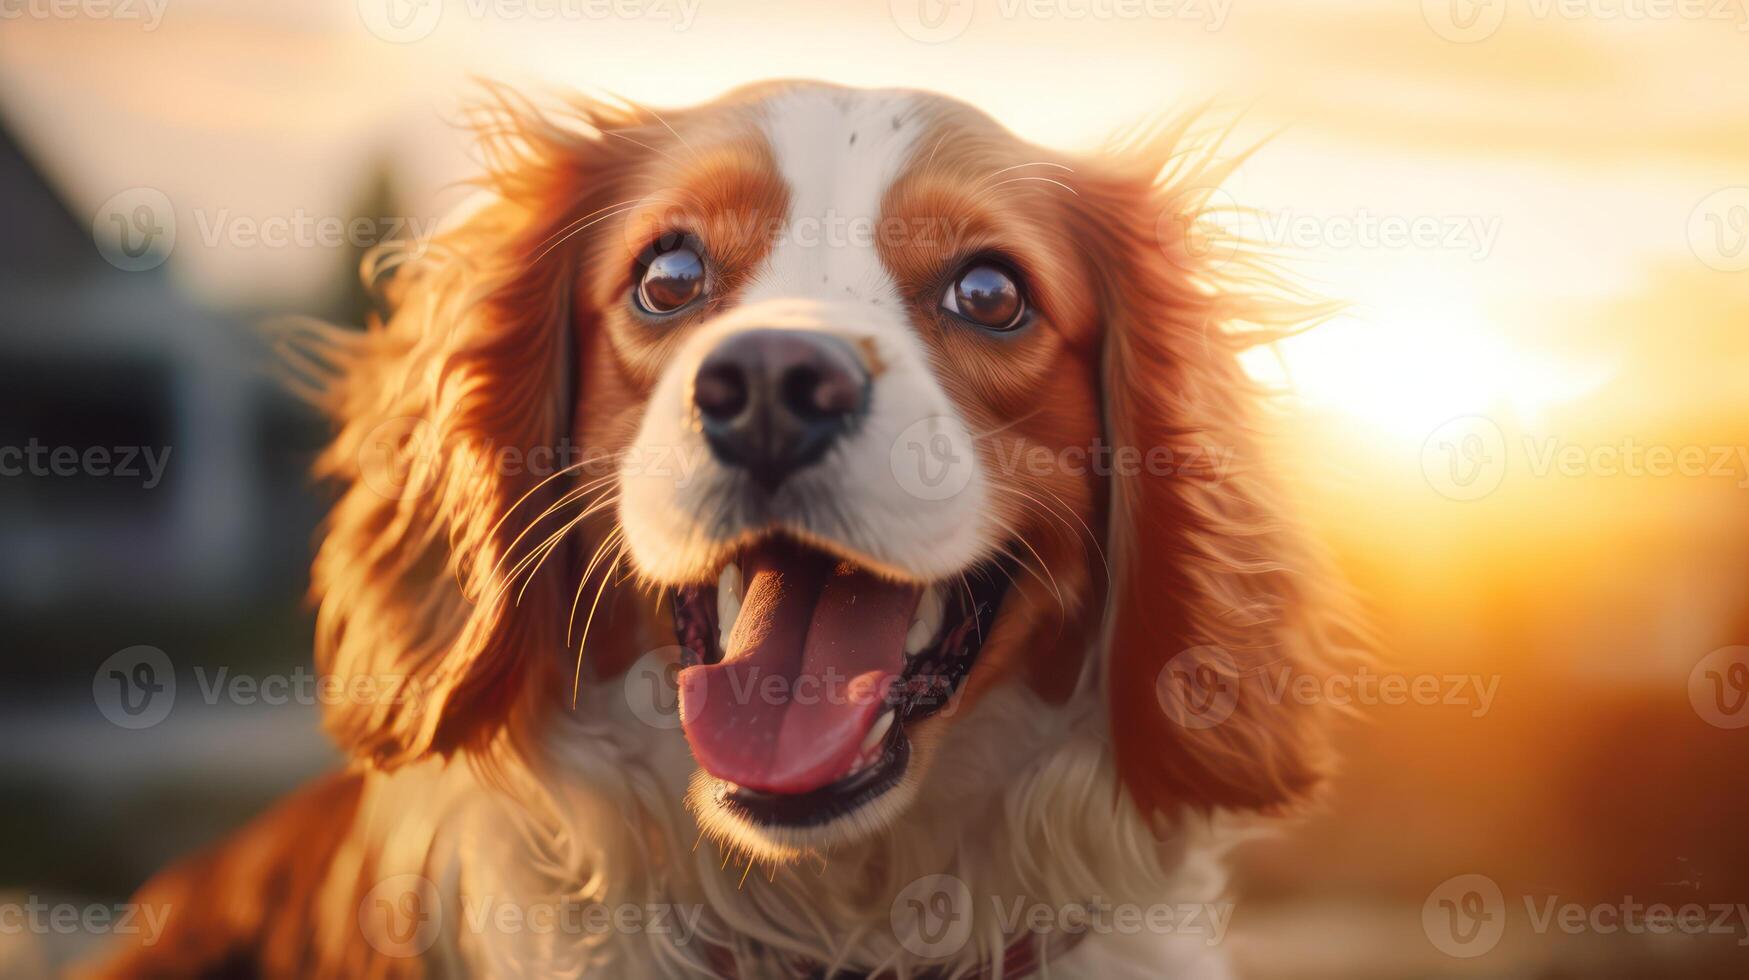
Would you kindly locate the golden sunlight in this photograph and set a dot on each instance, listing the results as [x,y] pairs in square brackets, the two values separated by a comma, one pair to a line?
[1411,353]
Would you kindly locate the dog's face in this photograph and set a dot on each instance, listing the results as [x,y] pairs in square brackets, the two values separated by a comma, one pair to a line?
[842,323]
[899,410]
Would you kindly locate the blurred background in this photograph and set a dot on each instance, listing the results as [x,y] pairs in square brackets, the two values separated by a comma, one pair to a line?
[1527,440]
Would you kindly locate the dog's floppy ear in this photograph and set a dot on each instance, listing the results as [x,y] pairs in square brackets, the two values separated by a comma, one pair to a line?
[1214,598]
[425,634]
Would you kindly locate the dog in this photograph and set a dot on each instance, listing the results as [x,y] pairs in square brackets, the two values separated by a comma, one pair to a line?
[802,535]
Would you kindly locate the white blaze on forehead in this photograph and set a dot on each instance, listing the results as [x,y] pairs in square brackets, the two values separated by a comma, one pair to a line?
[838,152]
[896,500]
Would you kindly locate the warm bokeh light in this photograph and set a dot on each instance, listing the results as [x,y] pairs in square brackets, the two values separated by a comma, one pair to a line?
[1413,358]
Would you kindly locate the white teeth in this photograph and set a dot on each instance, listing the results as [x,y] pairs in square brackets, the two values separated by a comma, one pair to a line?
[877,734]
[926,622]
[729,593]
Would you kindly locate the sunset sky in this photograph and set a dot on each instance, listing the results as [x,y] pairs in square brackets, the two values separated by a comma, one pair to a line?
[1575,177]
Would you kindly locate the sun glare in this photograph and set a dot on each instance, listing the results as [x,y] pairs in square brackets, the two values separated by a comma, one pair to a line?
[1414,357]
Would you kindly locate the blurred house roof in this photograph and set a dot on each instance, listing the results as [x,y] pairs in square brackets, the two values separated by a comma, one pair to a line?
[92,355]
[41,236]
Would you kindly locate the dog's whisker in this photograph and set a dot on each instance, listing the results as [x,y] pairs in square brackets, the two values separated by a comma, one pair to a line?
[569,497]
[583,642]
[1044,567]
[1046,180]
[1004,427]
[1019,166]
[1056,515]
[612,538]
[539,554]
[676,133]
[509,578]
[547,548]
[619,135]
[1098,545]
[582,218]
[938,141]
[972,604]
[611,214]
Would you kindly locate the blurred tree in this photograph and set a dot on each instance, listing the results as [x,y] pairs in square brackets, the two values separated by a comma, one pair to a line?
[381,205]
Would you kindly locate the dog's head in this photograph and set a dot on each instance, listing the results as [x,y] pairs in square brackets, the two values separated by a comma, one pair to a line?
[883,408]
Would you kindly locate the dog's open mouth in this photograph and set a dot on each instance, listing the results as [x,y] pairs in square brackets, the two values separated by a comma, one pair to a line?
[802,669]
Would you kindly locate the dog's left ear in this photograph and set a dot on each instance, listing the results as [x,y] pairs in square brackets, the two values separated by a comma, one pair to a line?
[435,605]
[1216,602]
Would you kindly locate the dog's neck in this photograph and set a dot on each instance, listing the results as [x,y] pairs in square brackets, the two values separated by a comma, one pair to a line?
[1025,816]
[1034,821]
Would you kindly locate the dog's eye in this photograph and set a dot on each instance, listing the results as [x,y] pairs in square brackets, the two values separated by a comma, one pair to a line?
[671,280]
[987,295]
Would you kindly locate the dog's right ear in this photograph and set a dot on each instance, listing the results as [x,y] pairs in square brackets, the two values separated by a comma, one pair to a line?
[1215,593]
[429,623]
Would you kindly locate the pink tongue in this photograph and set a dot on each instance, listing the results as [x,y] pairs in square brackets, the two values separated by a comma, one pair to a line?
[817,646]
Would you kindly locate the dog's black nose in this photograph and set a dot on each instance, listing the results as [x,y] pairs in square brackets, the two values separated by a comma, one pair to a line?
[772,401]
